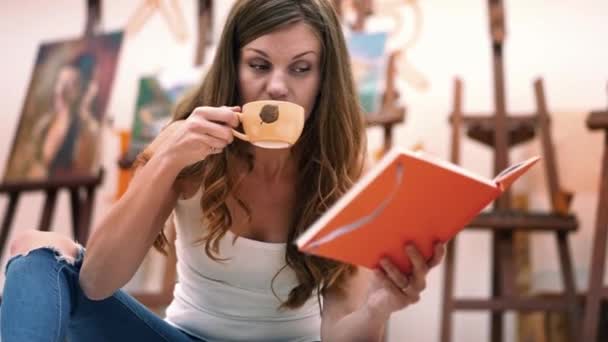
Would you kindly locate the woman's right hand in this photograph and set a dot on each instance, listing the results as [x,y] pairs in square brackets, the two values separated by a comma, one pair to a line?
[206,131]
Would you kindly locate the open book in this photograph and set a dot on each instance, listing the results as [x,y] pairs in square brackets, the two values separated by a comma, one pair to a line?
[405,197]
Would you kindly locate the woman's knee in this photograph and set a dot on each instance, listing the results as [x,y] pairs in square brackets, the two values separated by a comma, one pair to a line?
[31,240]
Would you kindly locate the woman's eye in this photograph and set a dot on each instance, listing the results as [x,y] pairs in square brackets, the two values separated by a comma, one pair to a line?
[300,69]
[258,66]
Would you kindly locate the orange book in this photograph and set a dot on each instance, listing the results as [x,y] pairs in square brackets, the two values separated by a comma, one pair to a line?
[405,197]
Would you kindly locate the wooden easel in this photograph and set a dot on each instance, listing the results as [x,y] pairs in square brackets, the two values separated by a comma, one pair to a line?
[500,132]
[81,188]
[597,292]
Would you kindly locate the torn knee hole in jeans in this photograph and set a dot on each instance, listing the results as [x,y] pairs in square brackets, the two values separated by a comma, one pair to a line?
[59,255]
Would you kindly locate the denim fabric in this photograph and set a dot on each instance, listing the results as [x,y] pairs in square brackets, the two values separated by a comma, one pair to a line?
[42,301]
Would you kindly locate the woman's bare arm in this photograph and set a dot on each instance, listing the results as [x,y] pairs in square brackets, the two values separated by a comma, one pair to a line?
[124,235]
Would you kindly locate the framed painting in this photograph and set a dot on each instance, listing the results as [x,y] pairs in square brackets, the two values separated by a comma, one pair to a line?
[59,129]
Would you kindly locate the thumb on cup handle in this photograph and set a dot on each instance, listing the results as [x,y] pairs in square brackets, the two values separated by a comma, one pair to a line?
[237,133]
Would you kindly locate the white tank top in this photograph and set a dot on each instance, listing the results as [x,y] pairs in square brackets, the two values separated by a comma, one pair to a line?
[233,300]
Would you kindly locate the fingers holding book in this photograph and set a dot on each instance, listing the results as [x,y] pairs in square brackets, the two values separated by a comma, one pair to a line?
[420,267]
[396,277]
[438,254]
[405,288]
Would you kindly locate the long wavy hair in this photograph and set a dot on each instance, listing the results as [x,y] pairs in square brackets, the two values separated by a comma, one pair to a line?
[333,139]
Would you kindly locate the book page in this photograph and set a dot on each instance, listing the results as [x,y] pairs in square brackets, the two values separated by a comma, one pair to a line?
[512,173]
[451,166]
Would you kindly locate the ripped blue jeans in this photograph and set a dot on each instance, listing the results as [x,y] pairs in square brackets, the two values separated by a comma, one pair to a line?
[42,301]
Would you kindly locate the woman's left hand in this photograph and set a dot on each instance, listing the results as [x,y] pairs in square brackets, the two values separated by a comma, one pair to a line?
[392,290]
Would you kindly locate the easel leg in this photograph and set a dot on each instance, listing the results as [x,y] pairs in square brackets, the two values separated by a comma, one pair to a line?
[82,201]
[496,316]
[598,257]
[448,293]
[48,211]
[569,285]
[8,219]
[204,30]
[76,209]
[508,270]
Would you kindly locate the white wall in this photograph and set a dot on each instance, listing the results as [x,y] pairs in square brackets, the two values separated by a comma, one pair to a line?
[562,41]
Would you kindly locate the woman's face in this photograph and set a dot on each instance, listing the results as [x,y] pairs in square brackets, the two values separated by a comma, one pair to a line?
[283,65]
[67,87]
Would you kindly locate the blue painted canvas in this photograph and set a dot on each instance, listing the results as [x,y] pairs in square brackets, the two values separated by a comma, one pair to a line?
[369,62]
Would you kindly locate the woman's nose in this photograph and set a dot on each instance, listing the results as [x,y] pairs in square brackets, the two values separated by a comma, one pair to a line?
[277,87]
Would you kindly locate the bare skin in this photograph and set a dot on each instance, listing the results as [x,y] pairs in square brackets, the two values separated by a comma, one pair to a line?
[32,239]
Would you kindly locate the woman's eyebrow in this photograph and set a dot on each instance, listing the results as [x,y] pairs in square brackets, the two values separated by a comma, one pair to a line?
[302,54]
[267,56]
[258,51]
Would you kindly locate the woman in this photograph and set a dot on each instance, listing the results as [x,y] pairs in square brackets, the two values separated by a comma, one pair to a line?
[238,208]
[66,136]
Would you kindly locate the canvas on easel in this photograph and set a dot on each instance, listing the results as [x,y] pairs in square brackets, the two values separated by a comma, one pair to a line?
[156,99]
[369,63]
[152,113]
[62,115]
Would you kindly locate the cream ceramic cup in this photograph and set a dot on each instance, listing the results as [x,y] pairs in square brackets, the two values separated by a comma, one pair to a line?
[271,124]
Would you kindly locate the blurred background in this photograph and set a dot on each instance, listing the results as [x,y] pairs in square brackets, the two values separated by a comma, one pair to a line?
[429,43]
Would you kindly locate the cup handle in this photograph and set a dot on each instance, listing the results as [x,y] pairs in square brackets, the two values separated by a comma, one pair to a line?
[237,133]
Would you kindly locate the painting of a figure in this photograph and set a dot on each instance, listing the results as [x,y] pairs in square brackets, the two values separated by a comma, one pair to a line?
[60,124]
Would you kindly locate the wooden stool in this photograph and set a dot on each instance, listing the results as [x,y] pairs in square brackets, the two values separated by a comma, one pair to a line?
[597,291]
